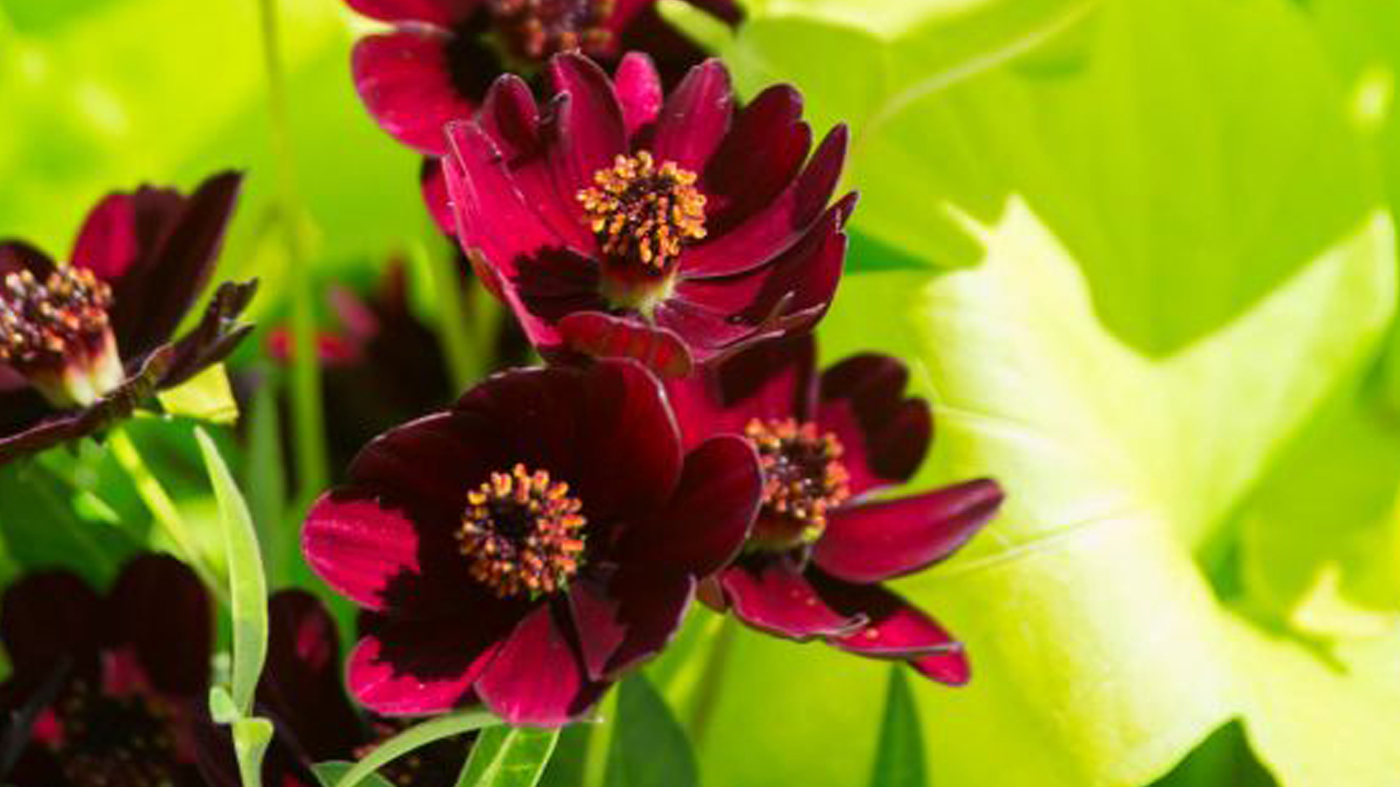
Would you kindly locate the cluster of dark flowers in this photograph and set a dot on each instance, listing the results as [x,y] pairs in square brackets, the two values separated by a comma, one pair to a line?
[667,250]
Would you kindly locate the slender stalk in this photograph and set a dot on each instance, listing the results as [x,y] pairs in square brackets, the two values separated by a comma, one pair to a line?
[149,488]
[706,696]
[595,761]
[308,420]
[465,359]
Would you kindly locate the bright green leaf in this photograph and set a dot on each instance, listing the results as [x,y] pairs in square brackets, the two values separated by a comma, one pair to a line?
[504,756]
[648,745]
[205,397]
[330,774]
[414,737]
[251,737]
[899,756]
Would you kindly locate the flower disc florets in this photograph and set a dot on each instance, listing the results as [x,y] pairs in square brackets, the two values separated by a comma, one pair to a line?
[641,211]
[803,477]
[536,29]
[114,741]
[57,332]
[521,532]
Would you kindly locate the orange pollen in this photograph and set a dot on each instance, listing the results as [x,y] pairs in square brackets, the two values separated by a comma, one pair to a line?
[522,533]
[803,477]
[644,212]
[43,323]
[537,29]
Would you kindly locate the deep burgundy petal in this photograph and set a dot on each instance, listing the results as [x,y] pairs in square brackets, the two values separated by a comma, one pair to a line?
[405,81]
[217,335]
[628,617]
[16,256]
[444,13]
[432,183]
[885,434]
[896,630]
[47,617]
[639,91]
[301,682]
[538,678]
[413,667]
[587,125]
[771,594]
[757,160]
[707,521]
[695,118]
[172,648]
[781,224]
[557,283]
[871,542]
[769,380]
[606,336]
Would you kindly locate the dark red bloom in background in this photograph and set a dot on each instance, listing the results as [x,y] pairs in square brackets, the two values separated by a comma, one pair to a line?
[106,690]
[821,545]
[618,222]
[442,56]
[81,345]
[528,545]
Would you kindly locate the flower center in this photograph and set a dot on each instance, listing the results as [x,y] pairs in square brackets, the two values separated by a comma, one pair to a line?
[522,532]
[111,741]
[536,29]
[802,479]
[644,212]
[57,334]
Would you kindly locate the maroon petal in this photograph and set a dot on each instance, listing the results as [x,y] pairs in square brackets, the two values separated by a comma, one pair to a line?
[538,678]
[896,630]
[872,542]
[771,594]
[606,336]
[757,160]
[173,648]
[301,683]
[444,13]
[216,336]
[628,617]
[695,118]
[360,547]
[432,182]
[48,617]
[17,256]
[707,520]
[769,380]
[587,122]
[416,667]
[405,80]
[885,434]
[773,230]
[639,91]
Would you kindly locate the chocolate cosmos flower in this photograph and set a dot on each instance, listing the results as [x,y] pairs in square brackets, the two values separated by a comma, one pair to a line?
[528,545]
[81,345]
[616,223]
[104,692]
[821,545]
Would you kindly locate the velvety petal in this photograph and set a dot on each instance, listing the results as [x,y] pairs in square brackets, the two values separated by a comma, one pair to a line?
[628,617]
[896,630]
[586,122]
[432,183]
[47,617]
[871,542]
[556,283]
[646,30]
[62,427]
[536,413]
[606,336]
[781,224]
[771,594]
[695,118]
[538,678]
[301,682]
[444,13]
[885,434]
[639,91]
[768,380]
[16,256]
[172,648]
[707,520]
[707,328]
[406,82]
[416,667]
[761,155]
[216,336]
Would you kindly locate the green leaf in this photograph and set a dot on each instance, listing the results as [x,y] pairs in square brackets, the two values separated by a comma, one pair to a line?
[504,756]
[330,774]
[222,708]
[250,739]
[899,756]
[648,744]
[413,738]
[205,397]
[247,585]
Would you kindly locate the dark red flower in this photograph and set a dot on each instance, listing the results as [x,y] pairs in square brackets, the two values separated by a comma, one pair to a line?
[105,691]
[528,545]
[442,56]
[822,544]
[81,345]
[614,222]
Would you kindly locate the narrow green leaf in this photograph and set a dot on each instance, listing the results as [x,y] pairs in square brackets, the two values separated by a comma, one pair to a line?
[899,758]
[206,397]
[508,757]
[250,739]
[247,585]
[265,476]
[413,738]
[649,747]
[330,774]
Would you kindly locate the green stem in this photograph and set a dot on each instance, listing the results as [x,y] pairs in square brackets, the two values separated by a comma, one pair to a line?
[464,357]
[308,421]
[162,508]
[595,761]
[706,696]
